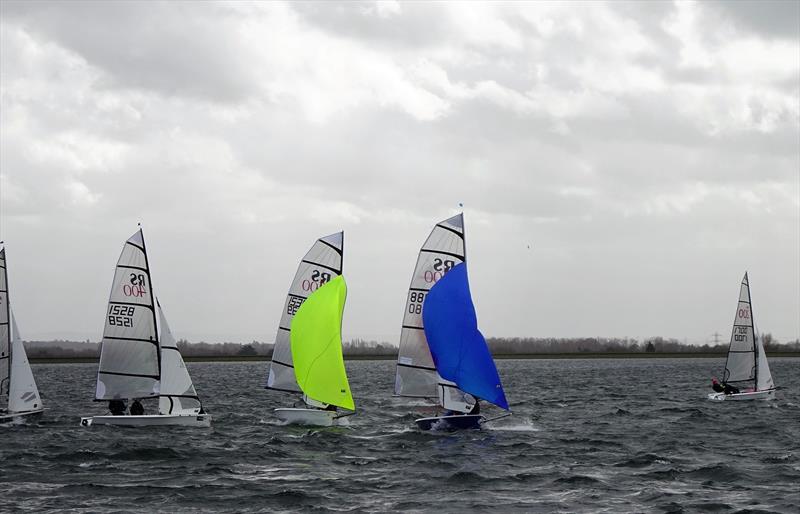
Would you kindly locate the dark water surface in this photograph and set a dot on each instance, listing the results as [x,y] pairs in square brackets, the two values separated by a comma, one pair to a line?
[586,436]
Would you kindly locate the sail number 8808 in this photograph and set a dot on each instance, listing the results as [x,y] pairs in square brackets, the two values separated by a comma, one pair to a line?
[415,300]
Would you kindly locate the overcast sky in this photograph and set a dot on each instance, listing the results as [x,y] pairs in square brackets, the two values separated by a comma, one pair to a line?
[621,165]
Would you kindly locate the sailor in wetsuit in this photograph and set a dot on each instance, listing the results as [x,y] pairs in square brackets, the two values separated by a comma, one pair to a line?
[723,388]
[116,407]
[136,408]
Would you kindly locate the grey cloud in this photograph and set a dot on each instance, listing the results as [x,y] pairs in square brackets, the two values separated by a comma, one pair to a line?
[172,48]
[230,196]
[771,18]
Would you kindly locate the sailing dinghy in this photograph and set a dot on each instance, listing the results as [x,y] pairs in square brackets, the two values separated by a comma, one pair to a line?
[442,353]
[139,358]
[746,367]
[307,357]
[18,389]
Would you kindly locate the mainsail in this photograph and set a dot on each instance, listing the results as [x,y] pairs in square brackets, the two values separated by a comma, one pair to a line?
[457,346]
[747,359]
[129,359]
[741,363]
[5,326]
[320,265]
[316,343]
[177,393]
[416,372]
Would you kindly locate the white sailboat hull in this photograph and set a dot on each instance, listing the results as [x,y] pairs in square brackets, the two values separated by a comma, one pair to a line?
[6,416]
[767,394]
[147,420]
[312,417]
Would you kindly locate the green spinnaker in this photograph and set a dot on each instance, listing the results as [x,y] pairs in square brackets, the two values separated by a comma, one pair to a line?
[316,342]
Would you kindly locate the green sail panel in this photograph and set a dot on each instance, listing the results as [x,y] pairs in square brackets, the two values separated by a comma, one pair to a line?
[316,342]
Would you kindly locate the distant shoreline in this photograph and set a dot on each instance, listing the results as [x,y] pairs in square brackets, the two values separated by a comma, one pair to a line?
[521,356]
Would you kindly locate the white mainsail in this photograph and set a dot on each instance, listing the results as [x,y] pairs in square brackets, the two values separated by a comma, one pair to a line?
[322,263]
[741,362]
[5,327]
[177,393]
[416,373]
[747,359]
[23,395]
[130,359]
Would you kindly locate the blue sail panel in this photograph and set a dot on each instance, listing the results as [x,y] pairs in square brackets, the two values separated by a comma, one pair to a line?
[457,346]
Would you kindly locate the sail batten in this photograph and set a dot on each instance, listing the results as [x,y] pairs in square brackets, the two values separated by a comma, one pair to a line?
[321,264]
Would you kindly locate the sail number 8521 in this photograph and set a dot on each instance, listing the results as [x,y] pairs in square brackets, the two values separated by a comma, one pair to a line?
[121,315]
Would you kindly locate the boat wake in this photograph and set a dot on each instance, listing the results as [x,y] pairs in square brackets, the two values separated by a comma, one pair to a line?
[523,426]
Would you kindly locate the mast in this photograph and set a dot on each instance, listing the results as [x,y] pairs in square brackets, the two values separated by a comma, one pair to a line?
[753,327]
[152,300]
[5,323]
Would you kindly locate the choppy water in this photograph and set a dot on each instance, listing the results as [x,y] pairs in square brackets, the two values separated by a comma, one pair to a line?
[586,435]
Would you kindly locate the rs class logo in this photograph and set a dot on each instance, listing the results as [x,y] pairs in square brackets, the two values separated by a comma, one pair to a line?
[443,265]
[318,279]
[440,267]
[320,276]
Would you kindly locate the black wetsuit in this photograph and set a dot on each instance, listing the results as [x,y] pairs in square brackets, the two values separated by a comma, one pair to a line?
[136,408]
[717,387]
[729,389]
[117,407]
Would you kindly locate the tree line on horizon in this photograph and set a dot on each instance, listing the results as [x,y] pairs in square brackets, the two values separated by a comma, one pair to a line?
[62,349]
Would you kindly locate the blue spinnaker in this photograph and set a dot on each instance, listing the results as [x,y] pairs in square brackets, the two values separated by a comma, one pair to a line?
[457,346]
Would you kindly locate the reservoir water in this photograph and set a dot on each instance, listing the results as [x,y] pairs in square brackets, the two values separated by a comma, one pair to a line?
[594,435]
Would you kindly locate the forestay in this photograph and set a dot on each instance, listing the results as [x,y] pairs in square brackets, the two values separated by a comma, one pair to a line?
[320,265]
[741,363]
[416,373]
[23,395]
[129,358]
[178,395]
[5,332]
[316,342]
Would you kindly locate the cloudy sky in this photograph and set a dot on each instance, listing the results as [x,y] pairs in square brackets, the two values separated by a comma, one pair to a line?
[620,164]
